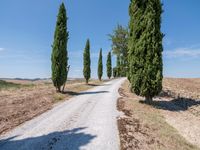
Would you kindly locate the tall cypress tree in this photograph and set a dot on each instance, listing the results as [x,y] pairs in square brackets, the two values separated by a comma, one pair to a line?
[100,65]
[145,48]
[59,56]
[109,65]
[86,62]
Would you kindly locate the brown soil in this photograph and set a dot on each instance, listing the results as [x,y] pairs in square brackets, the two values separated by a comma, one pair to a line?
[181,108]
[188,88]
[20,105]
[143,127]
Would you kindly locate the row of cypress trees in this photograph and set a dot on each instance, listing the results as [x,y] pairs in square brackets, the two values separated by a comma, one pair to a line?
[87,63]
[144,50]
[59,57]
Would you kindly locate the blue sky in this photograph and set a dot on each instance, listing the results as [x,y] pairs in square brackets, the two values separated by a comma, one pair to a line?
[27,29]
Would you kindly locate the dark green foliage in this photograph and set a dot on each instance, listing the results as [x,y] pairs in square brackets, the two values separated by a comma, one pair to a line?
[115,72]
[86,62]
[119,40]
[145,48]
[100,65]
[118,61]
[119,70]
[109,65]
[59,56]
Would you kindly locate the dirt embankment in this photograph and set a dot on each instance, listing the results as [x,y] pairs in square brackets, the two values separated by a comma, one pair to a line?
[180,105]
[177,87]
[18,105]
[143,127]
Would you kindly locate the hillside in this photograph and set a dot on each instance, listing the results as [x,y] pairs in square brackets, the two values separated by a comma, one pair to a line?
[171,122]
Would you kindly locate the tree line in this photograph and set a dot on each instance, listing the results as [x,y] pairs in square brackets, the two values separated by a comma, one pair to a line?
[138,50]
[59,56]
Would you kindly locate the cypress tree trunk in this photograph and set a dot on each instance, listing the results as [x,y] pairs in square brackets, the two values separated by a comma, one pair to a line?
[145,48]
[100,66]
[67,77]
[59,56]
[148,99]
[86,62]
[109,65]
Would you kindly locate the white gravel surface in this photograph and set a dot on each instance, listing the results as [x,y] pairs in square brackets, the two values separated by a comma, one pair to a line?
[85,122]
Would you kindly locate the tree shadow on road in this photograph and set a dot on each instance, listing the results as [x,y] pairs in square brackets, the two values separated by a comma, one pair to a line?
[84,93]
[66,140]
[98,84]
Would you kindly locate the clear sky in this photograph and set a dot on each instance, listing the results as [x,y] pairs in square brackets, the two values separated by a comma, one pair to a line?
[27,29]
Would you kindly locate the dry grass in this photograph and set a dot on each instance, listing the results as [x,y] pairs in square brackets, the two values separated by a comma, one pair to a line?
[4,85]
[22,103]
[144,128]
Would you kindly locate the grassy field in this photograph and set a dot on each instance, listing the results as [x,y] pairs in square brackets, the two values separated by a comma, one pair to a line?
[4,85]
[144,128]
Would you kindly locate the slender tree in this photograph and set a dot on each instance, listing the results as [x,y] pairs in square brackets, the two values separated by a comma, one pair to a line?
[109,65]
[100,65]
[86,62]
[59,56]
[145,48]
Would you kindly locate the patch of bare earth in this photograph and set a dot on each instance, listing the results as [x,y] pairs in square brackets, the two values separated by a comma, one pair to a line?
[20,105]
[143,127]
[180,105]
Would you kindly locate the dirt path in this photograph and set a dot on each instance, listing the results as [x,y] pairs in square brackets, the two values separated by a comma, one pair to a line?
[87,121]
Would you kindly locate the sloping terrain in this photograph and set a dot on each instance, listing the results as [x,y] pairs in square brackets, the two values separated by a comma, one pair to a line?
[180,105]
[145,127]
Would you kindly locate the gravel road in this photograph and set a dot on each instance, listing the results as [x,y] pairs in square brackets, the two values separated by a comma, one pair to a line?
[85,122]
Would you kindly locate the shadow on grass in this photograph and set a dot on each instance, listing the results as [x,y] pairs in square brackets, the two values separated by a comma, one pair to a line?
[83,93]
[66,140]
[176,104]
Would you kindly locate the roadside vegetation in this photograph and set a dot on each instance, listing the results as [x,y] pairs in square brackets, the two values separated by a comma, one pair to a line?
[100,66]
[109,65]
[87,62]
[59,55]
[145,48]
